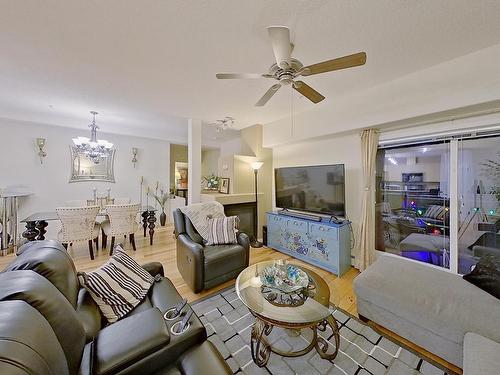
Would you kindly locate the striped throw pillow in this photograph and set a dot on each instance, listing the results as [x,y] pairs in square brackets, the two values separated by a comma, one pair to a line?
[118,285]
[435,212]
[222,230]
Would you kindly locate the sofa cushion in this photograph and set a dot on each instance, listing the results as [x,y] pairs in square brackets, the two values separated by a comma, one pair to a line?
[221,259]
[428,297]
[486,275]
[481,355]
[222,230]
[118,285]
[37,291]
[28,344]
[51,260]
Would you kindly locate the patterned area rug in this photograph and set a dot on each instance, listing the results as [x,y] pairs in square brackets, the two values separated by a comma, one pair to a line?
[362,350]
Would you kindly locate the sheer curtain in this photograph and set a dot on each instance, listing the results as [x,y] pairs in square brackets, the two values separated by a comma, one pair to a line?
[366,244]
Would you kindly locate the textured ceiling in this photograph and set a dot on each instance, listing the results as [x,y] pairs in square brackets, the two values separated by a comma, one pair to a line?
[148,65]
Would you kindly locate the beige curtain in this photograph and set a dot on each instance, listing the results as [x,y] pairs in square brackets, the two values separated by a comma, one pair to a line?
[366,244]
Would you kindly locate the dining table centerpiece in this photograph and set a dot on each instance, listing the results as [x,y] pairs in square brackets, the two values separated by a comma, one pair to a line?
[162,199]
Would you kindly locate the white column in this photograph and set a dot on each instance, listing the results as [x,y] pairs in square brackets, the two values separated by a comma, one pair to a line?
[194,161]
[454,206]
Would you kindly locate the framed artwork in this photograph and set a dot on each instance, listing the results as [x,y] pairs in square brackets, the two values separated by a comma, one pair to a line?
[224,185]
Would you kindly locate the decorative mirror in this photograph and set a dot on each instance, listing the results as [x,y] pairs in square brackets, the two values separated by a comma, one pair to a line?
[84,167]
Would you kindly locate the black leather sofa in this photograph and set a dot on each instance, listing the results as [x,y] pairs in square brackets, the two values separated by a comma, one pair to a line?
[203,267]
[49,325]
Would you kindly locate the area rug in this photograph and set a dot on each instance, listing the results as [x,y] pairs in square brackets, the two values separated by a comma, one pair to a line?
[362,350]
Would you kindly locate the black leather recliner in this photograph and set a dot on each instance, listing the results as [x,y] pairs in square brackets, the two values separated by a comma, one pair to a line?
[203,267]
[49,325]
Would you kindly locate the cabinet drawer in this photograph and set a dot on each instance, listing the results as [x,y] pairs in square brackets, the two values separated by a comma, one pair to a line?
[275,219]
[297,225]
[319,230]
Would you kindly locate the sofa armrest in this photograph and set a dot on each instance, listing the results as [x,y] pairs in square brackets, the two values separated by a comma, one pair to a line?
[154,268]
[129,340]
[190,262]
[244,241]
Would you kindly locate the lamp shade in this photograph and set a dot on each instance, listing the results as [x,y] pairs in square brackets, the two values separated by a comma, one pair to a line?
[256,165]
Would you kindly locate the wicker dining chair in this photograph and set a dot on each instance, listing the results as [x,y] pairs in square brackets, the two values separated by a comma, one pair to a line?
[122,222]
[78,224]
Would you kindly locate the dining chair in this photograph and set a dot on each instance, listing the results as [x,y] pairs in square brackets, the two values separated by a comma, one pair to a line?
[122,222]
[78,224]
[77,203]
[122,201]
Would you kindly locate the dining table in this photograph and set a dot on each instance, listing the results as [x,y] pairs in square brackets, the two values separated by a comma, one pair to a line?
[37,223]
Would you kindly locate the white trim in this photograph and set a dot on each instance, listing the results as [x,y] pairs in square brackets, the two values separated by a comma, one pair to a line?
[454,206]
[444,129]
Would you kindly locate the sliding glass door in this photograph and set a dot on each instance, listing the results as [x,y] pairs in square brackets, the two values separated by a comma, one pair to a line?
[412,202]
[439,203]
[478,200]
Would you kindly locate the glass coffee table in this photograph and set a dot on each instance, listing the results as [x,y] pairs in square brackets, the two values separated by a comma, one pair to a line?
[305,308]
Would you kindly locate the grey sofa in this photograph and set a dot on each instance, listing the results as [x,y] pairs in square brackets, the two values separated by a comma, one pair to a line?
[432,308]
[203,267]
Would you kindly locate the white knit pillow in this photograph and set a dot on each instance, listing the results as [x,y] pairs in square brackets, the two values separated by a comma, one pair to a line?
[222,230]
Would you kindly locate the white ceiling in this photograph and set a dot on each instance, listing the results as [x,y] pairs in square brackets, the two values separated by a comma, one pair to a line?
[148,65]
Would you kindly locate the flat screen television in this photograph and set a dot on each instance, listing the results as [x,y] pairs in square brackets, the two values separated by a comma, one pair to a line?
[318,189]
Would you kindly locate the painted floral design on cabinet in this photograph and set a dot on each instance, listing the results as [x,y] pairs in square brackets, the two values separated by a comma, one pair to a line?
[298,242]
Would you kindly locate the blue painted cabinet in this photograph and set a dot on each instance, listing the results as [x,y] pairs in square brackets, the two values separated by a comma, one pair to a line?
[323,244]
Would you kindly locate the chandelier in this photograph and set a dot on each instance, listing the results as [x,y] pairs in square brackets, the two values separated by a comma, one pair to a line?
[95,149]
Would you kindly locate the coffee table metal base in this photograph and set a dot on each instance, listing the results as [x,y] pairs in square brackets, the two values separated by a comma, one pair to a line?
[261,348]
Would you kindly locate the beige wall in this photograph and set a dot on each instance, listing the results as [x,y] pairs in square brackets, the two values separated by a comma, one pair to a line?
[252,141]
[343,149]
[178,153]
[210,162]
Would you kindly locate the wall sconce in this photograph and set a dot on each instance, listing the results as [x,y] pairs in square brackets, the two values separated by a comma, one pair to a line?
[134,155]
[40,142]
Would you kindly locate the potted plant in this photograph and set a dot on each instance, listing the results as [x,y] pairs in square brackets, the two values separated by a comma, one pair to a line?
[212,182]
[162,199]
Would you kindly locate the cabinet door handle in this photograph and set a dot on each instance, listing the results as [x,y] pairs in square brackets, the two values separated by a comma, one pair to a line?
[321,228]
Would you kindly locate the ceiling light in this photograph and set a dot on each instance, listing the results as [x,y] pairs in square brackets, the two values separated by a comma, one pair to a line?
[224,124]
[392,160]
[95,149]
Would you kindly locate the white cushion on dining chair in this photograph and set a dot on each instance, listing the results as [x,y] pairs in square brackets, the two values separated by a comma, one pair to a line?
[122,201]
[78,223]
[76,203]
[122,219]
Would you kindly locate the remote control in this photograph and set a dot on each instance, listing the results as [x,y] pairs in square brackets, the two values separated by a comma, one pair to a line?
[179,307]
[185,321]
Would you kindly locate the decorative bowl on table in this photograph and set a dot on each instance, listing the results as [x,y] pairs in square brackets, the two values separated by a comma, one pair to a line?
[286,278]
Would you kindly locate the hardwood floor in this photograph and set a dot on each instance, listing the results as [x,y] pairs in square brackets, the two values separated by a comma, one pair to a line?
[163,250]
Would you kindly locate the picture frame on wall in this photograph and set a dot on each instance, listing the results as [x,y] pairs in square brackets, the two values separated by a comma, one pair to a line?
[224,185]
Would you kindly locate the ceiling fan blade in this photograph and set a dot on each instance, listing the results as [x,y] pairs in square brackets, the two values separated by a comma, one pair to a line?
[242,75]
[282,48]
[340,63]
[268,95]
[308,92]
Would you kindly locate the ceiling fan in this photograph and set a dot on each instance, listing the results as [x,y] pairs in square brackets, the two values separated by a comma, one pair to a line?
[287,69]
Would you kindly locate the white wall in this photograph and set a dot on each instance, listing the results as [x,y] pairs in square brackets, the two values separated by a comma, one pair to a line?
[429,166]
[467,80]
[20,165]
[344,149]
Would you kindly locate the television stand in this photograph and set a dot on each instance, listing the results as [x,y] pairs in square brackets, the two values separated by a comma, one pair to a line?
[314,239]
[300,215]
